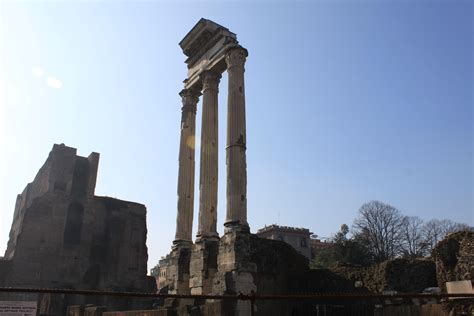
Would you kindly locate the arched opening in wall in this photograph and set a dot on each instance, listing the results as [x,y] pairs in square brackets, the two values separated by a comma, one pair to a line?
[72,229]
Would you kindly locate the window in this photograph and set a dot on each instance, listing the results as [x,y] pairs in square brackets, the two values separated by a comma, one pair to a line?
[303,242]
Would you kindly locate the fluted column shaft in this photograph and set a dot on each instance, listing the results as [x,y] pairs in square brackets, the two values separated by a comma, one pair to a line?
[184,221]
[236,142]
[209,165]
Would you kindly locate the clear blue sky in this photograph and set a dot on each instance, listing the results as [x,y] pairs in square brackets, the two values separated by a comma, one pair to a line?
[347,101]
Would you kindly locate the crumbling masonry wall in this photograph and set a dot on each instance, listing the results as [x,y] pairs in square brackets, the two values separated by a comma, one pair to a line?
[454,257]
[401,275]
[63,236]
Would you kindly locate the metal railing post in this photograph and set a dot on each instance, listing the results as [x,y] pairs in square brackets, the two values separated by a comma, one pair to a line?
[252,303]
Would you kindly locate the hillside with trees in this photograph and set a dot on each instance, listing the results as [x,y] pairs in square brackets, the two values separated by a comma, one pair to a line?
[381,232]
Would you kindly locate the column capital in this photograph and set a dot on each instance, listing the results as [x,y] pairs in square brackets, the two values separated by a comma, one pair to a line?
[190,98]
[210,80]
[236,56]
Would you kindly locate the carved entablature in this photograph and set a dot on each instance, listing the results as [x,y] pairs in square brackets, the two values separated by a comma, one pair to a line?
[206,45]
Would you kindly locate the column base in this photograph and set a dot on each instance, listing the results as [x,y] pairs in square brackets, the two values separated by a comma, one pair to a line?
[203,265]
[236,226]
[236,268]
[180,243]
[178,269]
[207,237]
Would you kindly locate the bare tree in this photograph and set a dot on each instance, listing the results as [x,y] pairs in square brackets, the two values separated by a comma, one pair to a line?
[435,230]
[414,244]
[379,226]
[433,233]
[452,227]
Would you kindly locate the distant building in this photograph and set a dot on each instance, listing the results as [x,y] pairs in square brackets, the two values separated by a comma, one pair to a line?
[317,245]
[298,238]
[162,272]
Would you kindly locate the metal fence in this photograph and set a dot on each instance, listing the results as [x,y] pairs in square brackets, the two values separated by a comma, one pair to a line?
[312,304]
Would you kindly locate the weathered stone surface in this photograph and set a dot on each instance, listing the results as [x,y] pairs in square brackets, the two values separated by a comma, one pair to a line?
[236,161]
[454,258]
[247,263]
[178,270]
[186,173]
[63,236]
[209,167]
[203,266]
[64,174]
[5,266]
[205,45]
[401,275]
[211,49]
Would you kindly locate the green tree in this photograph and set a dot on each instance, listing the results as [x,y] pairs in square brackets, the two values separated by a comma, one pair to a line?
[343,251]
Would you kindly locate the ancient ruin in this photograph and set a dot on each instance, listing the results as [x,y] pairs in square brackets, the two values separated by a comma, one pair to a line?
[238,261]
[211,49]
[454,257]
[63,236]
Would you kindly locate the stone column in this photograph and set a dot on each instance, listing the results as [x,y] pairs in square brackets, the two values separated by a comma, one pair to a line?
[236,218]
[184,222]
[208,169]
[203,264]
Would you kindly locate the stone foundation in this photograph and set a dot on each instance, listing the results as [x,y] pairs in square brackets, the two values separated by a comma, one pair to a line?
[178,270]
[203,266]
[239,262]
[401,275]
[247,263]
[235,265]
